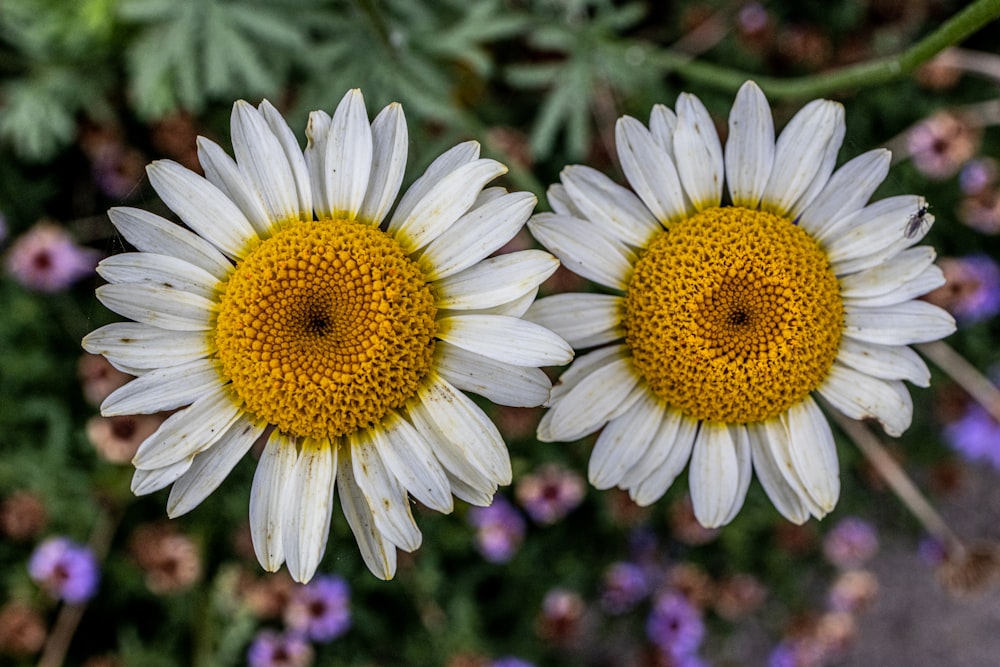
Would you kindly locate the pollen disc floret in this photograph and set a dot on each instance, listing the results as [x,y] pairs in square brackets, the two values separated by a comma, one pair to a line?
[733,315]
[324,327]
[720,316]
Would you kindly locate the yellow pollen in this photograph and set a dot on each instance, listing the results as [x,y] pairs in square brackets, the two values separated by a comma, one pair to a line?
[733,315]
[324,327]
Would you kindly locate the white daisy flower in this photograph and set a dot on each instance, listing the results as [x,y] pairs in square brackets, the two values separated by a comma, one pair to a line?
[724,320]
[288,310]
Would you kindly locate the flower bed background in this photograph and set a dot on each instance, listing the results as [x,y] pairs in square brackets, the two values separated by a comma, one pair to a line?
[554,573]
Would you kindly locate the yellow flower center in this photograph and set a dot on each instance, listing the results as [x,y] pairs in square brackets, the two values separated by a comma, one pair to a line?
[733,315]
[324,327]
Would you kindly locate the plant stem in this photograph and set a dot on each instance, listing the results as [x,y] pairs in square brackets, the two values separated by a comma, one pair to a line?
[68,619]
[897,479]
[862,75]
[964,375]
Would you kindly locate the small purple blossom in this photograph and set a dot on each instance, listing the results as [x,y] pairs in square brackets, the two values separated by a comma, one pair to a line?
[675,625]
[550,493]
[321,609]
[46,259]
[977,175]
[850,543]
[499,530]
[65,569]
[270,649]
[972,290]
[975,435]
[511,661]
[803,652]
[625,585]
[932,551]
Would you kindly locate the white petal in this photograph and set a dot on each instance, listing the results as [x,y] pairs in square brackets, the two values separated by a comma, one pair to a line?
[202,207]
[623,441]
[698,153]
[930,279]
[848,190]
[583,249]
[506,384]
[805,154]
[410,458]
[293,154]
[561,202]
[750,146]
[308,508]
[479,232]
[584,365]
[145,482]
[452,159]
[652,174]
[744,456]
[162,307]
[507,339]
[889,275]
[347,164]
[495,280]
[151,233]
[614,209]
[665,459]
[163,389]
[714,475]
[581,319]
[514,308]
[456,415]
[780,483]
[389,135]
[160,271]
[189,431]
[662,125]
[590,403]
[471,475]
[385,495]
[263,162]
[317,138]
[901,324]
[889,362]
[268,498]
[212,466]
[378,553]
[877,226]
[445,203]
[861,396]
[223,172]
[813,454]
[140,346]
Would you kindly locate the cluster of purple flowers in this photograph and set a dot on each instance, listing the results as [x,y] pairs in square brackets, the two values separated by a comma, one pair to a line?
[975,435]
[319,611]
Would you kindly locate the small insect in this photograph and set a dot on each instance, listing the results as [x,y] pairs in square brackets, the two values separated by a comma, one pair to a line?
[916,222]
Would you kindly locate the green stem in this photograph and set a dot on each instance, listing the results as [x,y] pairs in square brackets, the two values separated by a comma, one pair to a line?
[871,73]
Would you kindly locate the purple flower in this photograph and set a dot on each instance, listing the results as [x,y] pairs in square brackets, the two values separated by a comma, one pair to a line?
[850,543]
[972,289]
[510,661]
[499,530]
[975,435]
[46,259]
[675,625]
[321,609]
[65,569]
[270,649]
[797,653]
[625,585]
[550,493]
